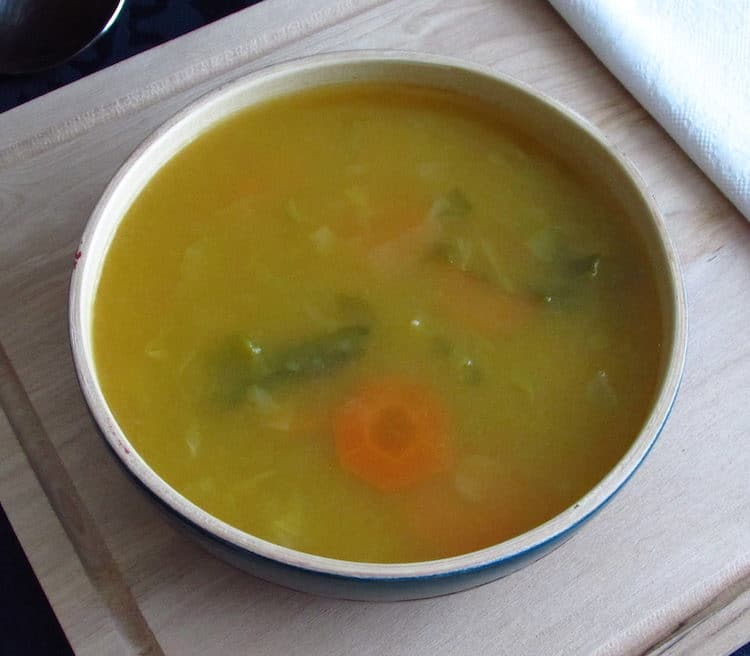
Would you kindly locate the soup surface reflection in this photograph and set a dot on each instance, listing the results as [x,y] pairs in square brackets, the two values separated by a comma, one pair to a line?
[377,323]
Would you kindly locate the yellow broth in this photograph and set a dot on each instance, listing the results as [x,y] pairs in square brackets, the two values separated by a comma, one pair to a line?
[377,246]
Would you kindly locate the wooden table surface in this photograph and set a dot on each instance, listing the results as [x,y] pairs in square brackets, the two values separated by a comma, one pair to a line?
[663,569]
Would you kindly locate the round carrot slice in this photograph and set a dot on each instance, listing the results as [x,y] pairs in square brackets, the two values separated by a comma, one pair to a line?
[391,434]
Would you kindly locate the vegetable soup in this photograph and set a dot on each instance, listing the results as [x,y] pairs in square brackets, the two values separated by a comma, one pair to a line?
[378,323]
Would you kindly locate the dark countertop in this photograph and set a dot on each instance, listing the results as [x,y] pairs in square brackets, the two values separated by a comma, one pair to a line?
[142,24]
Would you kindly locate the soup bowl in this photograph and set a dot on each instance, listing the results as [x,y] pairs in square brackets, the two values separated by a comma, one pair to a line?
[549,122]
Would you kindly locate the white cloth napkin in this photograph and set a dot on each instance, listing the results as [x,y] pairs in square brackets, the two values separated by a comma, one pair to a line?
[688,63]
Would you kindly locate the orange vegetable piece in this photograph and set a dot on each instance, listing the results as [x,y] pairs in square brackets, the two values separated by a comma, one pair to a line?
[451,526]
[480,306]
[409,246]
[392,434]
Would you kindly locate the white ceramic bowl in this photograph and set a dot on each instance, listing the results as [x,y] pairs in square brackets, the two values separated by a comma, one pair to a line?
[554,124]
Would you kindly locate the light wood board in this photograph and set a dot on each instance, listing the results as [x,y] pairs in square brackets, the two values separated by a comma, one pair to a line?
[664,568]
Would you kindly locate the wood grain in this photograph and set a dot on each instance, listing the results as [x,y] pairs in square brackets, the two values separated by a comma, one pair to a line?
[80,527]
[640,574]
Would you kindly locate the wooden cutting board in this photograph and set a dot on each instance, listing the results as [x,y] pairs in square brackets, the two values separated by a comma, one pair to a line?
[664,568]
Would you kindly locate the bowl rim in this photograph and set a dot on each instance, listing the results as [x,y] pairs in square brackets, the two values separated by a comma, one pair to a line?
[524,544]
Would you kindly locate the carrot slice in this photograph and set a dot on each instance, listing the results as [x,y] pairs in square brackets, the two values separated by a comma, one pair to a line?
[482,501]
[451,526]
[391,255]
[391,434]
[480,306]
